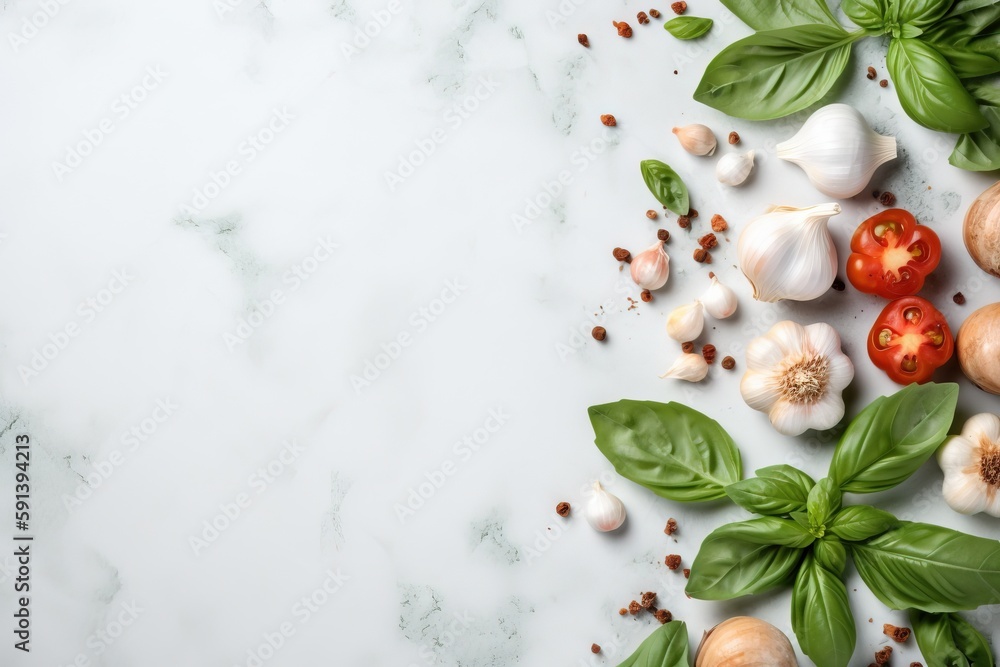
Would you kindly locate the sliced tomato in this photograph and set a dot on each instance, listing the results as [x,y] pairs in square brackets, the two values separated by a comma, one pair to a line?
[910,340]
[891,254]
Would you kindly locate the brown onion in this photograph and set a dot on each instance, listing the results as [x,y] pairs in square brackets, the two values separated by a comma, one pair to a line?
[744,641]
[982,230]
[978,347]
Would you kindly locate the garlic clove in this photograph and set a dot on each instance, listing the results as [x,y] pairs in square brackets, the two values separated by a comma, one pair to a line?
[963,495]
[983,425]
[827,412]
[689,367]
[838,150]
[759,391]
[686,322]
[734,168]
[605,512]
[650,269]
[719,300]
[696,139]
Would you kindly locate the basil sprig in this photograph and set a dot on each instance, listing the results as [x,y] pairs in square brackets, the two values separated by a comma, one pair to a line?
[949,640]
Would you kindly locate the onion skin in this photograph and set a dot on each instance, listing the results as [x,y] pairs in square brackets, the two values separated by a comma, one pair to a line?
[982,230]
[744,641]
[978,347]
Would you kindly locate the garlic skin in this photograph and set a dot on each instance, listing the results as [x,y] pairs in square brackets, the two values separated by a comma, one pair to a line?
[733,168]
[838,150]
[788,253]
[796,375]
[651,267]
[689,367]
[696,139]
[743,641]
[971,466]
[719,300]
[605,512]
[686,322]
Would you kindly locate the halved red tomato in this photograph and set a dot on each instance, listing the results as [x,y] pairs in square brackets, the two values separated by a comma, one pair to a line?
[891,254]
[910,340]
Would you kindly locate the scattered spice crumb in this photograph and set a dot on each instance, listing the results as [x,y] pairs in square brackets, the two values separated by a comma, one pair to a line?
[875,193]
[651,214]
[647,600]
[643,19]
[675,71]
[634,608]
[701,256]
[708,241]
[672,523]
[708,352]
[897,634]
[882,656]
[673,561]
[687,573]
[693,213]
[679,7]
[871,73]
[663,235]
[608,119]
[684,221]
[869,620]
[838,285]
[622,611]
[655,13]
[719,223]
[594,648]
[663,616]
[624,29]
[959,298]
[646,295]
[887,198]
[599,333]
[622,255]
[916,664]
[884,83]
[582,38]
[728,363]
[686,348]
[631,303]
[562,509]
[734,138]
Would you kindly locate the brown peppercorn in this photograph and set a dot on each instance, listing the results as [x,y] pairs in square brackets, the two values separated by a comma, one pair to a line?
[624,29]
[634,608]
[562,509]
[882,657]
[599,333]
[646,295]
[916,664]
[687,573]
[663,616]
[734,138]
[693,213]
[959,298]
[652,215]
[647,600]
[673,561]
[838,285]
[896,633]
[622,611]
[683,221]
[701,255]
[728,363]
[708,351]
[594,648]
[871,73]
[686,348]
[679,7]
[719,223]
[663,235]
[884,83]
[642,18]
[582,38]
[622,255]
[608,119]
[887,198]
[672,523]
[708,241]
[655,13]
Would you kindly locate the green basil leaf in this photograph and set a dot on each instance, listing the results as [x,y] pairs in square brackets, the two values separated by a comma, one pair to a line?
[893,437]
[969,38]
[824,499]
[771,530]
[688,27]
[969,63]
[861,522]
[781,13]
[666,647]
[909,31]
[776,490]
[666,186]
[802,518]
[980,150]
[929,90]
[920,12]
[671,449]
[728,566]
[821,616]
[776,73]
[930,568]
[867,14]
[831,553]
[949,640]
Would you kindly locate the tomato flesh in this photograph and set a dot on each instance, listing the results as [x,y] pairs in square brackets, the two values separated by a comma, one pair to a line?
[910,340]
[892,255]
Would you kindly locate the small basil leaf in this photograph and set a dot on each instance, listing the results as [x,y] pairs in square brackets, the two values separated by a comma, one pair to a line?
[930,568]
[867,14]
[666,647]
[671,449]
[728,567]
[824,500]
[688,27]
[949,640]
[929,90]
[969,38]
[968,63]
[776,490]
[802,518]
[893,437]
[821,616]
[921,12]
[776,73]
[831,554]
[861,522]
[980,150]
[666,186]
[781,13]
[771,530]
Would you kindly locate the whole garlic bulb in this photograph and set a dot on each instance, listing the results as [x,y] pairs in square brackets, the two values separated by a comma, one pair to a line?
[605,512]
[734,168]
[651,267]
[788,253]
[838,150]
[696,139]
[971,466]
[689,367]
[686,322]
[719,300]
[745,642]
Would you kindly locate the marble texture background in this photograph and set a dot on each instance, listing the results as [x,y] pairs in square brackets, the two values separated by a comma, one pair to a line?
[315,287]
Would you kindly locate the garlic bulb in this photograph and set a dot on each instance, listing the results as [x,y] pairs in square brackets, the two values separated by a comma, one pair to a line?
[788,253]
[719,300]
[651,267]
[605,512]
[745,642]
[796,375]
[838,151]
[971,466]
[696,139]
[689,367]
[686,322]
[733,168]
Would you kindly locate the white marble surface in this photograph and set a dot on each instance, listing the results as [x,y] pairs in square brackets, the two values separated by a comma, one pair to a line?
[217,323]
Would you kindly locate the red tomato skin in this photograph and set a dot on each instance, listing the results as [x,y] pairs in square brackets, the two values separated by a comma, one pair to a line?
[865,268]
[929,356]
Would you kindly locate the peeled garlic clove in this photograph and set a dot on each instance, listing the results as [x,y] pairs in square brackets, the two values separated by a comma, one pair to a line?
[689,367]
[788,253]
[744,641]
[685,323]
[696,139]
[651,267]
[719,300]
[734,168]
[838,150]
[605,512]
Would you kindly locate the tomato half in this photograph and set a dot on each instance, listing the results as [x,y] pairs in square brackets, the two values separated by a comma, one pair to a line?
[910,340]
[891,254]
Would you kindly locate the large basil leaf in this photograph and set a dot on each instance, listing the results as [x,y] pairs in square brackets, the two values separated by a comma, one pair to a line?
[969,38]
[893,437]
[930,568]
[948,640]
[729,567]
[671,449]
[770,530]
[666,647]
[980,150]
[867,14]
[666,186]
[776,73]
[824,500]
[929,90]
[821,616]
[780,13]
[861,522]
[831,553]
[920,12]
[776,490]
[688,27]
